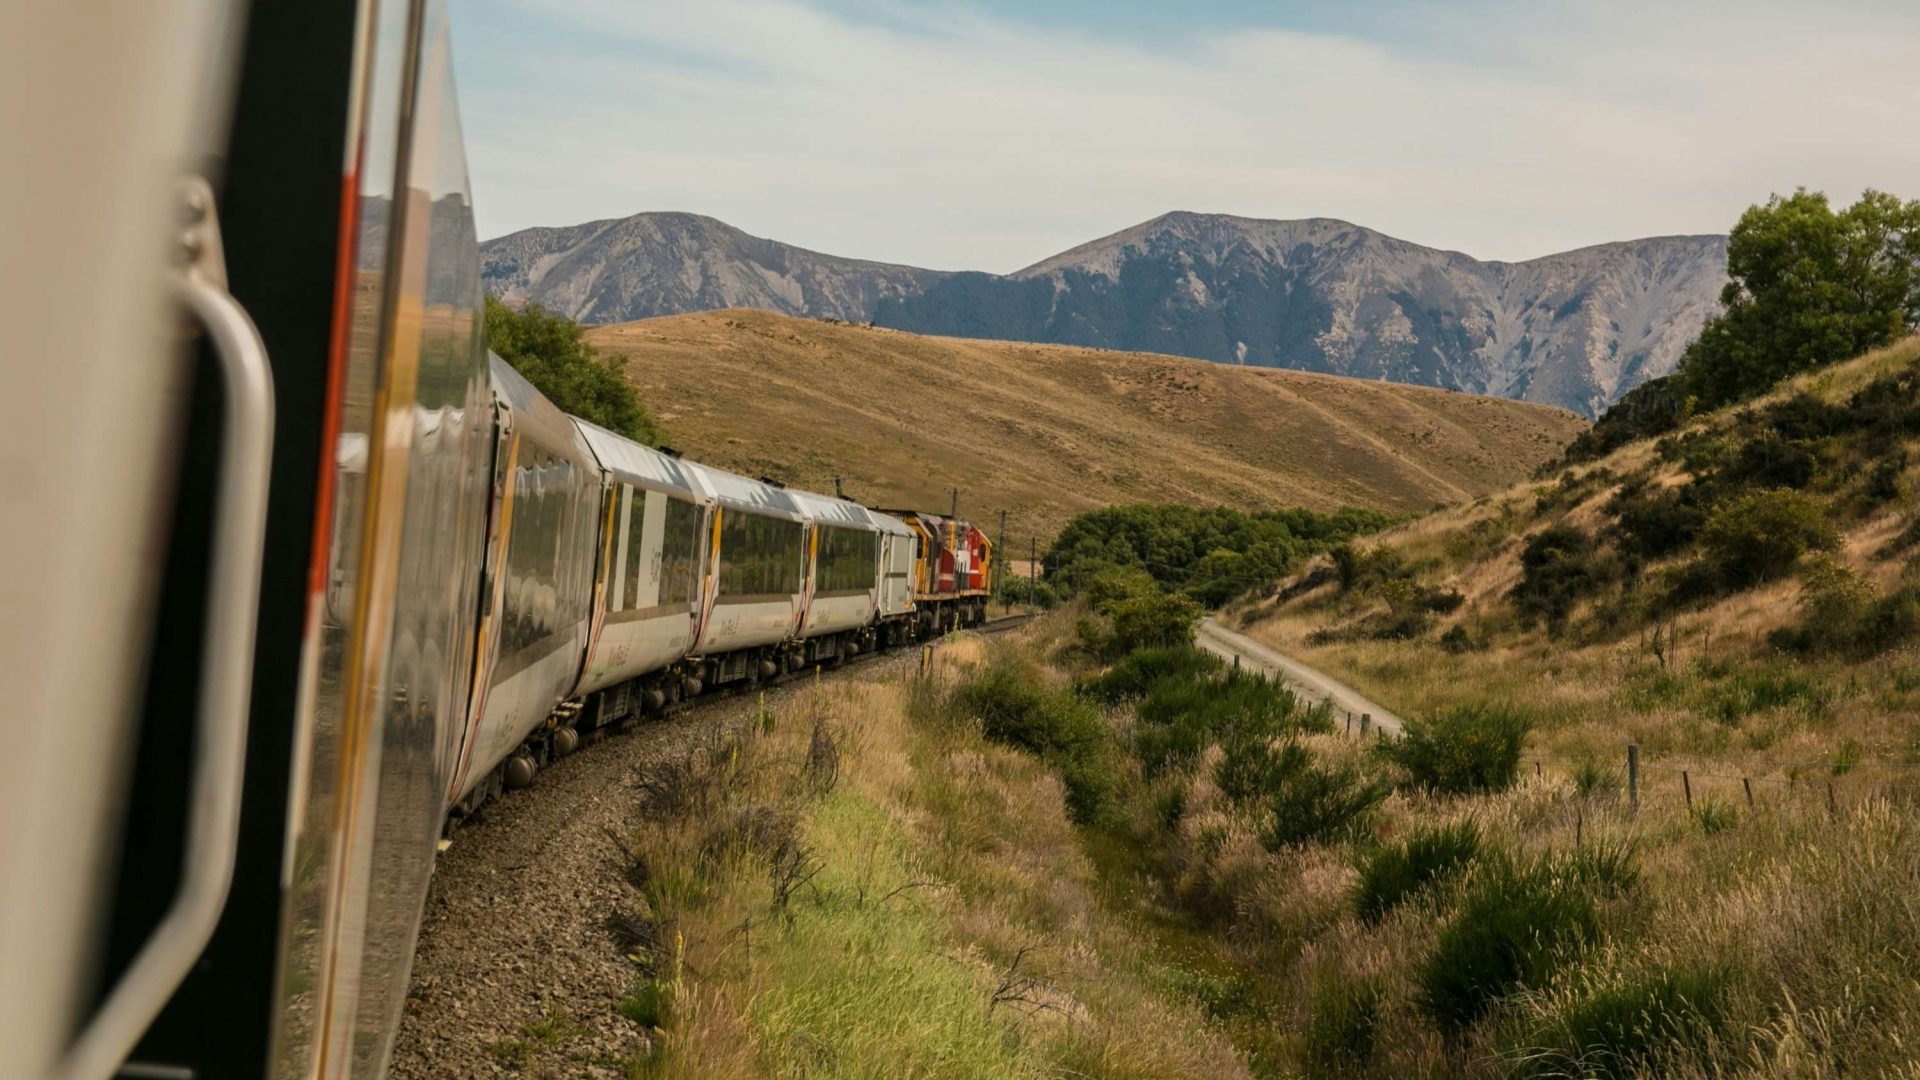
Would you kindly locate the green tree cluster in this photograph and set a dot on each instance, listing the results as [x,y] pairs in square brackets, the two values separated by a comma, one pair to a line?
[553,355]
[1211,555]
[1810,286]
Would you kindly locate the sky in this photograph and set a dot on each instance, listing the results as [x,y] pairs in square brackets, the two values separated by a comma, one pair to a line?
[990,135]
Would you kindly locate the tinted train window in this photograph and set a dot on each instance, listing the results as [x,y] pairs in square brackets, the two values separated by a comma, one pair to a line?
[759,555]
[636,549]
[680,552]
[546,561]
[848,559]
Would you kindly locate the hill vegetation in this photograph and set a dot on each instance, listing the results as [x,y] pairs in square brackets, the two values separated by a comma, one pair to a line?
[553,355]
[1047,432]
[1740,600]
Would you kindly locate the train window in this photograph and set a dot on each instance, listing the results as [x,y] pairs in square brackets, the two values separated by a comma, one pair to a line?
[636,550]
[680,552]
[759,555]
[847,561]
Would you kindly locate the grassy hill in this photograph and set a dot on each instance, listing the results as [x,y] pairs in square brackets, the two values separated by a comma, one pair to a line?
[1741,602]
[1047,431]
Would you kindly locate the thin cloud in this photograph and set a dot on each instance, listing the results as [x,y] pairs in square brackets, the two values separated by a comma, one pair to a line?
[969,141]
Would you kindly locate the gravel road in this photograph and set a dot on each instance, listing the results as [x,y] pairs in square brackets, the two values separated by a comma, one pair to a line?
[514,931]
[1310,682]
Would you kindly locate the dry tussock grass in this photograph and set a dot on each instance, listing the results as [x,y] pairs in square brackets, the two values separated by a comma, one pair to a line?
[953,926]
[1050,431]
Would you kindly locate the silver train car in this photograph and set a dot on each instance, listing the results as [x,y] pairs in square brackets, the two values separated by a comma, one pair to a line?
[363,575]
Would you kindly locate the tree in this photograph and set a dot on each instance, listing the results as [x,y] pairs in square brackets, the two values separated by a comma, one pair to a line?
[1810,287]
[553,355]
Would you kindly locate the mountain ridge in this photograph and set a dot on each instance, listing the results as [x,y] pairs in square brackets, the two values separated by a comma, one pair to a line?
[1047,431]
[1576,329]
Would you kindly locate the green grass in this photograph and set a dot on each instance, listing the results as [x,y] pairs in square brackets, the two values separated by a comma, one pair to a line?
[866,990]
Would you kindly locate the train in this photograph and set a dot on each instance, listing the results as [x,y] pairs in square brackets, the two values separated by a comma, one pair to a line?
[296,572]
[618,580]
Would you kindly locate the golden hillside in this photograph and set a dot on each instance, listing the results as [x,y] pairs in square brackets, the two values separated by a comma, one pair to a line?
[1048,431]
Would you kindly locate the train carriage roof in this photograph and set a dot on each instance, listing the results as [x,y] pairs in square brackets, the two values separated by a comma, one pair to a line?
[829,510]
[735,492]
[534,415]
[641,466]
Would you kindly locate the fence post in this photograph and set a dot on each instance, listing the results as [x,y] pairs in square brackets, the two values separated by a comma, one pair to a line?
[1832,807]
[1536,769]
[1686,784]
[1236,661]
[1747,782]
[1366,721]
[1349,721]
[1633,776]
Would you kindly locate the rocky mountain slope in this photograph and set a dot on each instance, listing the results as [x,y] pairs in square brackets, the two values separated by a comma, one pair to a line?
[1577,329]
[669,263]
[1047,431]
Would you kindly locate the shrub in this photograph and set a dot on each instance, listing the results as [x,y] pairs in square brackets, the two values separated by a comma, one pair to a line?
[1307,802]
[1342,1020]
[1136,673]
[1392,874]
[1715,816]
[1625,1026]
[1841,614]
[1559,566]
[1759,536]
[1653,408]
[1760,689]
[1650,524]
[1016,708]
[1458,641]
[1111,587]
[1517,922]
[1469,748]
[1591,779]
[1154,621]
[1180,718]
[1768,461]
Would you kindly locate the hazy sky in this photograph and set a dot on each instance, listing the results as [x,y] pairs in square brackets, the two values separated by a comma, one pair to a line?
[991,135]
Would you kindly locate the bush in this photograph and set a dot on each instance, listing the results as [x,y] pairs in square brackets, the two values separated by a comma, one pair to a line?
[1342,1020]
[1651,409]
[1211,554]
[1016,708]
[1759,536]
[1763,688]
[1136,673]
[1394,873]
[1517,923]
[1154,621]
[1180,718]
[1625,1026]
[1841,614]
[1768,461]
[1306,802]
[1559,566]
[1651,524]
[1109,588]
[1466,749]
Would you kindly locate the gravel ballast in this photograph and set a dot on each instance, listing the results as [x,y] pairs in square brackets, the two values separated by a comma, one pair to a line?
[515,928]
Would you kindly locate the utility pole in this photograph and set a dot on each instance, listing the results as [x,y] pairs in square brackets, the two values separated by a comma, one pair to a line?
[955,492]
[1033,560]
[1000,549]
[838,491]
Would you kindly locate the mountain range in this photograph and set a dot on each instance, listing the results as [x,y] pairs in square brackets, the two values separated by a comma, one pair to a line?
[1576,329]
